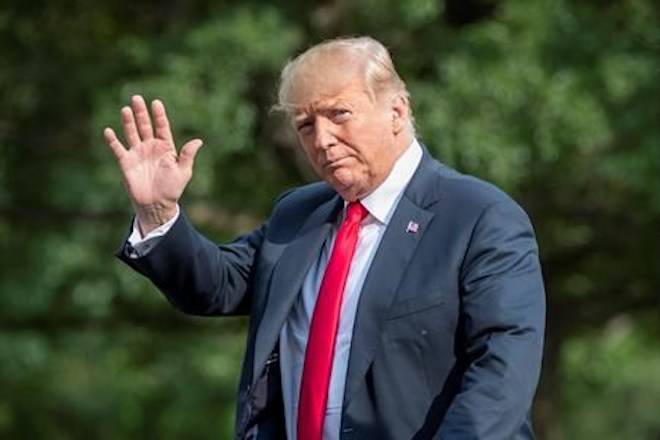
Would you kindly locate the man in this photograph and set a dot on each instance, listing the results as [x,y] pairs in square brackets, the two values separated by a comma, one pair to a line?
[397,299]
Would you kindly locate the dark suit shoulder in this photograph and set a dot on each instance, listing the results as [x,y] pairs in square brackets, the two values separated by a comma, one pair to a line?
[469,194]
[293,207]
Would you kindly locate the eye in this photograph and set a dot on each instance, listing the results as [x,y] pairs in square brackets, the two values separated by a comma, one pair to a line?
[304,126]
[340,115]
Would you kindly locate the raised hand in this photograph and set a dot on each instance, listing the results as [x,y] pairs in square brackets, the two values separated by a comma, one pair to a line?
[154,174]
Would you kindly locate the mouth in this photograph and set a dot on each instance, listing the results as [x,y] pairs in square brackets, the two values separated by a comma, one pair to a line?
[333,164]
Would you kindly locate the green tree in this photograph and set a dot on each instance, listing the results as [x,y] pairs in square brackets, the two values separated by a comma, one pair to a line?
[556,101]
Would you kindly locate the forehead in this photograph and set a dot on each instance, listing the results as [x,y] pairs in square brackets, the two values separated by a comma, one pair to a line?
[352,97]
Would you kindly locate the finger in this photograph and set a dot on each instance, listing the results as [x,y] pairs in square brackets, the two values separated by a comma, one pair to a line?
[142,117]
[188,153]
[115,146]
[130,129]
[161,122]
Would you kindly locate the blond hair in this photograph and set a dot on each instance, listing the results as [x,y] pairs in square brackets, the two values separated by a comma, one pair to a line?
[380,76]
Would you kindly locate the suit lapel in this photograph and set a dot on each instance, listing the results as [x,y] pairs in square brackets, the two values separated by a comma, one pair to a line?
[288,277]
[388,266]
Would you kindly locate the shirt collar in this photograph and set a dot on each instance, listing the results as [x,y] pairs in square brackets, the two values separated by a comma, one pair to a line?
[382,201]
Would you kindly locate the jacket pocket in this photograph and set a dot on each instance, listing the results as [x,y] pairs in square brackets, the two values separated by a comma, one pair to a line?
[413,305]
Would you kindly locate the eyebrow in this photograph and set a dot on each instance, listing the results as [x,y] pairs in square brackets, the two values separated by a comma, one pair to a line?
[322,108]
[300,118]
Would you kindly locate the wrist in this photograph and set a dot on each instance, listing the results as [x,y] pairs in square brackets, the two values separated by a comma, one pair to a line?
[152,216]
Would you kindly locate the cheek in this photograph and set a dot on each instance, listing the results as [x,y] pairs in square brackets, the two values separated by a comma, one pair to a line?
[370,155]
[313,156]
[371,138]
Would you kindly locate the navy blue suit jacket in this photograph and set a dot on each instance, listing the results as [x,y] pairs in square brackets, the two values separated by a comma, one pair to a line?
[449,329]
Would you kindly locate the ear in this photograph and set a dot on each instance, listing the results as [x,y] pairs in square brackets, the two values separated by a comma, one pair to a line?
[400,113]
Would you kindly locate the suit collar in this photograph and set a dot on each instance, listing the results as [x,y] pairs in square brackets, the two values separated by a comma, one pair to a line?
[423,189]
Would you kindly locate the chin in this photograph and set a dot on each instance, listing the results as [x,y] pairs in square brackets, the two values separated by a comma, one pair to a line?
[346,191]
[344,182]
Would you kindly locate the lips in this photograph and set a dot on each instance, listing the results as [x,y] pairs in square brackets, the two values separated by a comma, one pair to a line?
[335,163]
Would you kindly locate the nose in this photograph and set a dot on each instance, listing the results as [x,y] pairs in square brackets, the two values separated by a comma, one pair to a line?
[323,134]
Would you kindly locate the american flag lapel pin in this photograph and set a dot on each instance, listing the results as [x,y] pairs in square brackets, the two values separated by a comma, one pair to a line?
[412,227]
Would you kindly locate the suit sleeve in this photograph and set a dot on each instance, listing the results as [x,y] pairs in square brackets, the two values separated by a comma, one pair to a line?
[503,320]
[197,276]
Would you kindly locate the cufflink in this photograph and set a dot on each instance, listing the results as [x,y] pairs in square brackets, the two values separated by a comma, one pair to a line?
[130,251]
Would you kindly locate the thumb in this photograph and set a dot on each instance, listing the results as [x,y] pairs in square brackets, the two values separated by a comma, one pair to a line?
[188,153]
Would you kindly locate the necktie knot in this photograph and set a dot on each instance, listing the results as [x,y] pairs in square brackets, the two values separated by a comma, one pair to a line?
[355,212]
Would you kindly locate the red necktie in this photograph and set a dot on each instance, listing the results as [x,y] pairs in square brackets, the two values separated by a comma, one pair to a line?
[320,349]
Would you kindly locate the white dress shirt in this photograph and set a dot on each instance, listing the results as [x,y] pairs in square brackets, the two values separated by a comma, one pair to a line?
[380,204]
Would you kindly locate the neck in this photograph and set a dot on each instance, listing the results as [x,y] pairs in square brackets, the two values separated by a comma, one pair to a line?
[405,138]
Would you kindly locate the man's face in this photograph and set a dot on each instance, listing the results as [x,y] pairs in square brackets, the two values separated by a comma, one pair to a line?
[349,138]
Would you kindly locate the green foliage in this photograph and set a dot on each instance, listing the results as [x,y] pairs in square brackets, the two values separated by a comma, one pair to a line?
[556,101]
[612,384]
[124,382]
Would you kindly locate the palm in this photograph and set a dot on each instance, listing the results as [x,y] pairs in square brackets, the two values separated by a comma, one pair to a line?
[154,174]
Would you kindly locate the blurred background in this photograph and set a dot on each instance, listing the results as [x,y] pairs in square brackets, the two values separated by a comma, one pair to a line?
[556,101]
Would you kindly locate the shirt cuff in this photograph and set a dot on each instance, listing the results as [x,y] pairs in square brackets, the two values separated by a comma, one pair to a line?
[138,246]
